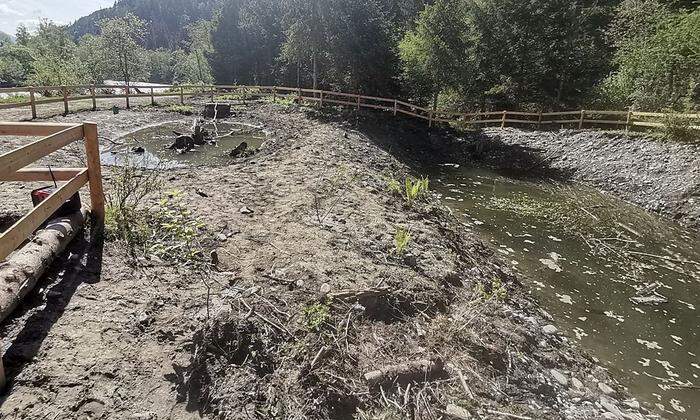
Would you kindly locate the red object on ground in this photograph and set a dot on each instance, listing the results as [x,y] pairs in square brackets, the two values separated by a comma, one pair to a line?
[70,206]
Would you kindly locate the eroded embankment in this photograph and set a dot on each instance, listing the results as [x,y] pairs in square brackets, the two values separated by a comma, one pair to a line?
[310,314]
[660,176]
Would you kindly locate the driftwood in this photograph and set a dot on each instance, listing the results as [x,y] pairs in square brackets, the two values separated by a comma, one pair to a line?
[20,273]
[360,295]
[419,370]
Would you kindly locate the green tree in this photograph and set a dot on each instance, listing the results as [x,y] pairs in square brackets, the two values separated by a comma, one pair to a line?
[125,57]
[657,58]
[91,54]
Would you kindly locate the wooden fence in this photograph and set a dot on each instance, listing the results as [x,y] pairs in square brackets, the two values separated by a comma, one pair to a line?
[13,167]
[577,119]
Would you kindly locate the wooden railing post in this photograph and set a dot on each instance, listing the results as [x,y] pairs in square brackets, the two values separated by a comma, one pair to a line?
[65,100]
[153,98]
[128,105]
[274,94]
[321,99]
[580,123]
[539,120]
[503,120]
[629,120]
[299,96]
[396,106]
[32,100]
[358,102]
[94,99]
[92,150]
[212,93]
[182,95]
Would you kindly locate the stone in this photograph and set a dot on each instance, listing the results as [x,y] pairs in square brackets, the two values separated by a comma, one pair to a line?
[559,377]
[325,288]
[611,407]
[576,383]
[605,389]
[222,237]
[549,329]
[634,404]
[246,210]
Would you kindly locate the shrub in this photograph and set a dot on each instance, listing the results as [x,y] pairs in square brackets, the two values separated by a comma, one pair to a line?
[402,238]
[182,109]
[678,127]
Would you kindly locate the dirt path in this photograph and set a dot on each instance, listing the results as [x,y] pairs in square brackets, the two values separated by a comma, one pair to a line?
[309,297]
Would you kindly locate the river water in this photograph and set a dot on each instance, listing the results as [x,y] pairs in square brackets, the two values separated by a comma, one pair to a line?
[584,255]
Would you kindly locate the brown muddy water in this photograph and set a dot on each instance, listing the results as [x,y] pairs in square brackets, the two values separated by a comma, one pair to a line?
[584,255]
[156,138]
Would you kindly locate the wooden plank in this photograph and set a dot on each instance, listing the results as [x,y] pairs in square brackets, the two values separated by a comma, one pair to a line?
[14,89]
[334,101]
[486,121]
[32,129]
[32,103]
[23,229]
[17,159]
[528,114]
[412,114]
[616,122]
[561,121]
[376,98]
[549,114]
[383,108]
[43,174]
[645,124]
[49,101]
[15,105]
[92,152]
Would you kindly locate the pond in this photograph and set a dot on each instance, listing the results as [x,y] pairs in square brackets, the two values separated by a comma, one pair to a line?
[585,255]
[154,141]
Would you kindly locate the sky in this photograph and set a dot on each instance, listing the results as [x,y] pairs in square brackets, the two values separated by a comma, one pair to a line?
[29,12]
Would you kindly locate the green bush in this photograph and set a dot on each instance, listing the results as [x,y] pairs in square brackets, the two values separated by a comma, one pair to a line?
[678,127]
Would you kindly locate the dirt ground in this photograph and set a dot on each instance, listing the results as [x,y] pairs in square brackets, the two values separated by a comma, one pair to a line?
[308,298]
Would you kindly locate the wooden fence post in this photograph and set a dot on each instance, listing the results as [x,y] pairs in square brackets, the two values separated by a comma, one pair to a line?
[274,94]
[128,105]
[92,150]
[358,101]
[182,95]
[539,120]
[580,123]
[3,381]
[65,100]
[212,93]
[503,120]
[396,106]
[33,104]
[94,99]
[153,98]
[321,99]
[299,96]
[629,120]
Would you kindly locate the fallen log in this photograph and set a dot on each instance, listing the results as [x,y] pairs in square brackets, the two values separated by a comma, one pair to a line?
[23,269]
[416,371]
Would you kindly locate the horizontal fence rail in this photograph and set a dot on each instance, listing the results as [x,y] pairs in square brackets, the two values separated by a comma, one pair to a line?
[579,118]
[13,167]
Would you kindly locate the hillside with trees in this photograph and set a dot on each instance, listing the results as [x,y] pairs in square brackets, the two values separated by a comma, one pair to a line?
[472,54]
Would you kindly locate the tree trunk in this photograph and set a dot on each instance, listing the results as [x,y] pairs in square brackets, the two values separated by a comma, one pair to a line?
[22,270]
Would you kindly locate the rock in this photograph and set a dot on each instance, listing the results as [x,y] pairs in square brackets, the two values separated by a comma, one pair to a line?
[239,150]
[222,237]
[634,404]
[605,389]
[611,407]
[246,210]
[138,150]
[182,143]
[559,377]
[549,329]
[576,383]
[325,288]
[655,299]
[201,193]
[456,412]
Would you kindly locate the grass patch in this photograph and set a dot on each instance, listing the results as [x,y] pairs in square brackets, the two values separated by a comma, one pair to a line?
[182,109]
[316,316]
[14,99]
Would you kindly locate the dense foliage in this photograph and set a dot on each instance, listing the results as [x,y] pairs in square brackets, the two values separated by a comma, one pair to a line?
[473,54]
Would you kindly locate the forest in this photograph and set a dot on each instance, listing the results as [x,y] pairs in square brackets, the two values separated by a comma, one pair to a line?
[468,54]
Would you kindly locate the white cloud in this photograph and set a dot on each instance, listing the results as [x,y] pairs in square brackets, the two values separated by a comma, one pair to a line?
[15,12]
[7,10]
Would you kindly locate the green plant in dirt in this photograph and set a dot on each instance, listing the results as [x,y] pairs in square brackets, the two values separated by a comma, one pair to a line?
[316,316]
[678,127]
[181,109]
[281,100]
[177,233]
[402,238]
[415,189]
[497,291]
[394,186]
[129,187]
[14,99]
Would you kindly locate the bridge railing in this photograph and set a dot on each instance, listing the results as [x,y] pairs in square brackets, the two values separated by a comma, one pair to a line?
[577,119]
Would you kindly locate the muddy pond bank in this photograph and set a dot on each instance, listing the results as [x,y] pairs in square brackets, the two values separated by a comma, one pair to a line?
[659,176]
[310,312]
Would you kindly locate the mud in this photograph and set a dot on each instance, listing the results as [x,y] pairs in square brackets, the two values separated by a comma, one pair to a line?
[308,297]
